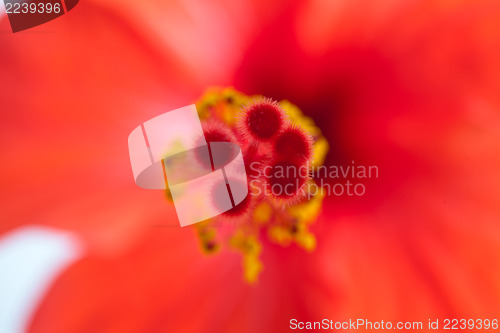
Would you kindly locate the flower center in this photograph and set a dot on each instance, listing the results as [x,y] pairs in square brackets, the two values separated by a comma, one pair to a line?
[277,146]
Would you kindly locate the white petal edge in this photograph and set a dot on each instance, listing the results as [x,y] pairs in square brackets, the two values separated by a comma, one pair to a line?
[31,258]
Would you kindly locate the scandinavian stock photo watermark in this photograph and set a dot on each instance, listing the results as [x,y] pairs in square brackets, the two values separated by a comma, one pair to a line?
[365,325]
[333,180]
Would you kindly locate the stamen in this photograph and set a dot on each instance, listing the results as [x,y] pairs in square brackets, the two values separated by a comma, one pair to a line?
[278,148]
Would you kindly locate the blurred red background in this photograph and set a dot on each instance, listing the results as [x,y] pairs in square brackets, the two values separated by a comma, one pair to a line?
[411,87]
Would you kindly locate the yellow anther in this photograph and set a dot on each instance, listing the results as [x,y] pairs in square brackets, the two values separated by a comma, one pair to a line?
[252,266]
[263,213]
[280,235]
[307,241]
[309,210]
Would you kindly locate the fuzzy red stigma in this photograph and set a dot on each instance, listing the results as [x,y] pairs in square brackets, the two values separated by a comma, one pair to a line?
[286,179]
[217,132]
[214,132]
[222,196]
[254,161]
[263,120]
[294,143]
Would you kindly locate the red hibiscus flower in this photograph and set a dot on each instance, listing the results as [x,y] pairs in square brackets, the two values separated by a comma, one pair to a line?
[410,88]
